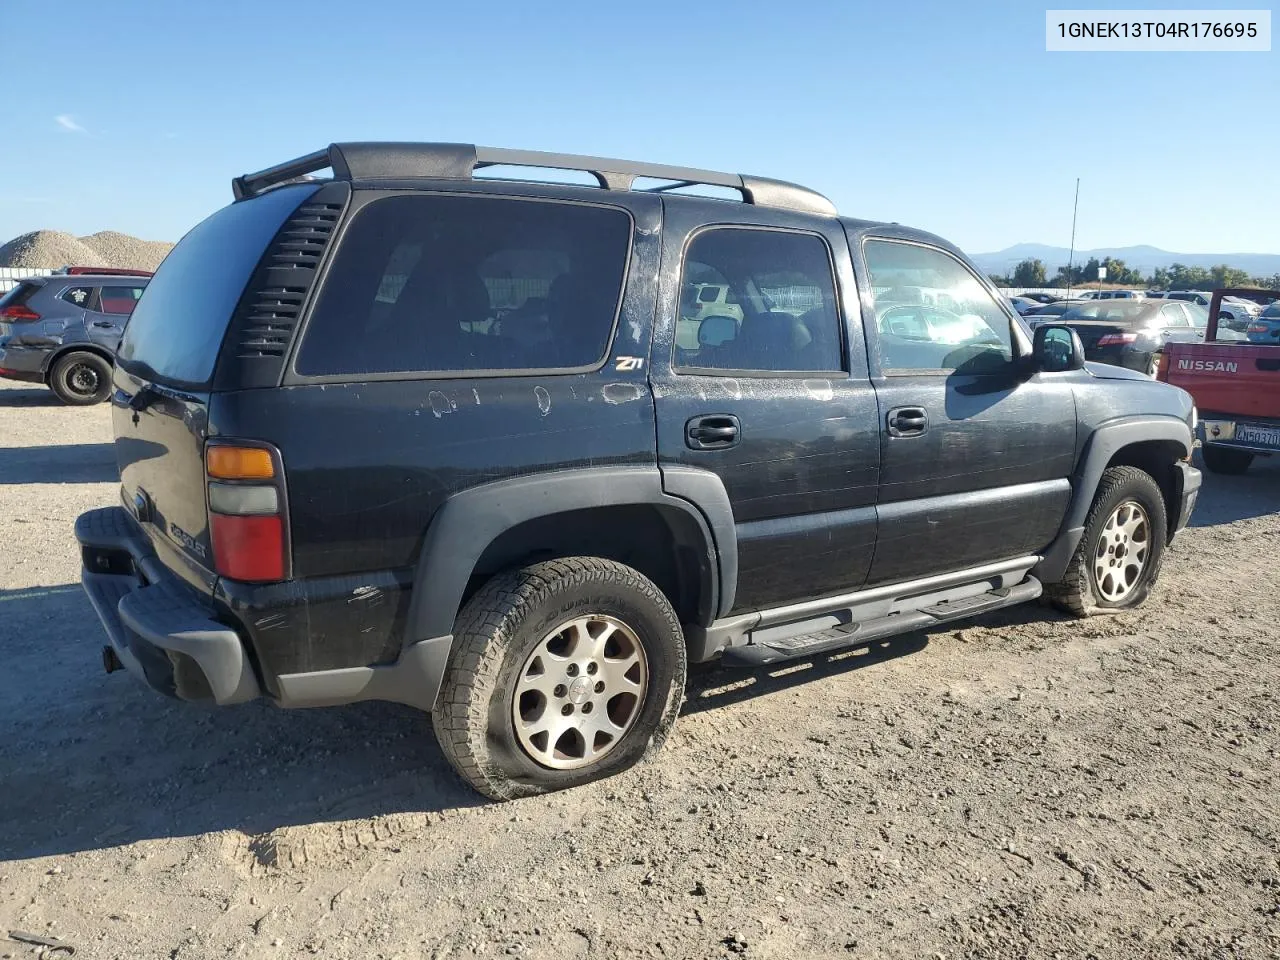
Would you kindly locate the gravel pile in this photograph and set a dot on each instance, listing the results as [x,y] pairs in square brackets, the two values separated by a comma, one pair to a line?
[52,249]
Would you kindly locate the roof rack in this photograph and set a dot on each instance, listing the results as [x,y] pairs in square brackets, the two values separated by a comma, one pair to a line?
[460,161]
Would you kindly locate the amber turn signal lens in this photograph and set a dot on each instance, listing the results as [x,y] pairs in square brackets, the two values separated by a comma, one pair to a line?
[238,463]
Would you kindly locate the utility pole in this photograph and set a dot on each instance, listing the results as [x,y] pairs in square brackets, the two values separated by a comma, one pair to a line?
[1071,258]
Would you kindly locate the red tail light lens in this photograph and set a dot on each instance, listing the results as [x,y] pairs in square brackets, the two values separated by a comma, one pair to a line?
[246,512]
[19,313]
[1257,328]
[248,548]
[1116,339]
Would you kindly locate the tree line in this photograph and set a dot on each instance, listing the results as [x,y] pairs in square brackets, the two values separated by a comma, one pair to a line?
[1179,276]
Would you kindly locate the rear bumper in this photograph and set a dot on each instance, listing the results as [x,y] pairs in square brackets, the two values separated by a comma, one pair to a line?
[156,624]
[1231,431]
[168,634]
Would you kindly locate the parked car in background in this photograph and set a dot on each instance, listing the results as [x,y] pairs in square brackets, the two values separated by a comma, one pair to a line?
[62,330]
[1190,296]
[1119,295]
[1265,328]
[1237,314]
[1133,333]
[1041,297]
[1025,305]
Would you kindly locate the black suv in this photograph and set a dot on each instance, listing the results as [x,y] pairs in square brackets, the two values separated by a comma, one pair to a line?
[426,434]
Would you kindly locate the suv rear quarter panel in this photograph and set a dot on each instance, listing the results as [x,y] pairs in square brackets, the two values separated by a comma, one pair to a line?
[368,462]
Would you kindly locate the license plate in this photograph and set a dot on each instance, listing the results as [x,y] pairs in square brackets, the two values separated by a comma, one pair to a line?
[1258,436]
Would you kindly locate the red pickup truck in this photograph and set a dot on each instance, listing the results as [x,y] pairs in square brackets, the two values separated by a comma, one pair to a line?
[1236,386]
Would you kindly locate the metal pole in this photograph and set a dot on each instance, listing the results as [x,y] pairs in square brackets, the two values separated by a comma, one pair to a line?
[1071,258]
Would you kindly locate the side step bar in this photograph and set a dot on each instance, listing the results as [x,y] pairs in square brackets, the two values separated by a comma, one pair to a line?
[855,634]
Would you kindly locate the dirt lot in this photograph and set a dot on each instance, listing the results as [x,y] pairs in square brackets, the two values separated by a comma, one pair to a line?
[1027,786]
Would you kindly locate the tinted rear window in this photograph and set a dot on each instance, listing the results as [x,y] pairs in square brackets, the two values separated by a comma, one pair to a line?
[121,299]
[431,284]
[20,294]
[176,330]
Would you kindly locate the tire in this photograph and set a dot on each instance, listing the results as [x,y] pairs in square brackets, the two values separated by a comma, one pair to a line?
[1122,584]
[1225,460]
[1153,365]
[490,720]
[80,379]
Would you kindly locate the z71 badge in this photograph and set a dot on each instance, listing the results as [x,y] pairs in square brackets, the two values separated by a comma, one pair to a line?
[629,363]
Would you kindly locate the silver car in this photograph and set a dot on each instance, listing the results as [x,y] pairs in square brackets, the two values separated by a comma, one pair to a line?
[63,330]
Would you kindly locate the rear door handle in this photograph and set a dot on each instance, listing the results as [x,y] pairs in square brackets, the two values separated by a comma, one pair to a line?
[104,323]
[907,421]
[714,431]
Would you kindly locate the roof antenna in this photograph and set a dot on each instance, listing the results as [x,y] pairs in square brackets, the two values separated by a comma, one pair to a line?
[1071,257]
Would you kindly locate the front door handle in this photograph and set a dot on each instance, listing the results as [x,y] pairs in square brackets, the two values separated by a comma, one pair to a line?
[907,421]
[714,431]
[103,323]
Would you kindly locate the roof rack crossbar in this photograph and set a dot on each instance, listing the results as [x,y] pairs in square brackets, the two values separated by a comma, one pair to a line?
[459,161]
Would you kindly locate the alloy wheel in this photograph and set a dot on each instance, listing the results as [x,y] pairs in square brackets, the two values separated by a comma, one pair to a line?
[579,692]
[1123,549]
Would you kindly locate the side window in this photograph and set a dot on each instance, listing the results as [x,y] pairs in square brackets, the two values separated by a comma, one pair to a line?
[774,308]
[933,314]
[1171,315]
[431,284]
[120,300]
[81,297]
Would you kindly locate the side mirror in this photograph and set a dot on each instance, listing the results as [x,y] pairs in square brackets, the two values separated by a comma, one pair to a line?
[1056,348]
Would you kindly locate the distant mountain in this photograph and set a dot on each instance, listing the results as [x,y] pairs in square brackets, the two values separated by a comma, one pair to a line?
[1143,258]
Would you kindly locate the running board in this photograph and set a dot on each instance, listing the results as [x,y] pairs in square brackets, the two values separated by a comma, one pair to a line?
[856,634]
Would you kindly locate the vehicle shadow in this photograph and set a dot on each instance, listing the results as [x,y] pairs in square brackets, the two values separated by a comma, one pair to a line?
[33,397]
[91,761]
[713,685]
[1225,499]
[70,463]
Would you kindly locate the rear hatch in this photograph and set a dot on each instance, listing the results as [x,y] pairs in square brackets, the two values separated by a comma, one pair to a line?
[1235,378]
[172,347]
[16,315]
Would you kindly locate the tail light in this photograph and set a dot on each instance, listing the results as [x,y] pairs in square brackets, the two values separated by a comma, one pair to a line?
[1257,328]
[247,512]
[1116,339]
[19,313]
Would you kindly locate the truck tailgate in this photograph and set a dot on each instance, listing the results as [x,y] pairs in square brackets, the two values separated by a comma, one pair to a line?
[1236,378]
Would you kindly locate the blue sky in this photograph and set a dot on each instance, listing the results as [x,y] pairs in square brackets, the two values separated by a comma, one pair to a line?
[944,115]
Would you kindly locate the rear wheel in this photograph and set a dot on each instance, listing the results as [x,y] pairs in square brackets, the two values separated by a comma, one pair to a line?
[81,379]
[561,673]
[1119,556]
[1225,460]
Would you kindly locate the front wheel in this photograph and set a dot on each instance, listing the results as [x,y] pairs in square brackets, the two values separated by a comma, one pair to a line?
[561,673]
[80,379]
[1225,460]
[1119,556]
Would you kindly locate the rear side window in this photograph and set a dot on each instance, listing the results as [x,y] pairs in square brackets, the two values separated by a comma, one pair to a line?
[434,284]
[779,314]
[121,299]
[79,296]
[177,328]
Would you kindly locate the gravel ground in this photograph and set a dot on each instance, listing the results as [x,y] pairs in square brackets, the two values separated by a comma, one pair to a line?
[1026,786]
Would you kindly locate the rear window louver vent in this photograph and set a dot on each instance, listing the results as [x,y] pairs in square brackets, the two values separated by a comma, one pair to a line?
[268,314]
[298,248]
